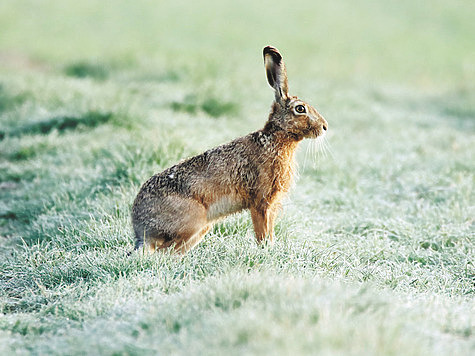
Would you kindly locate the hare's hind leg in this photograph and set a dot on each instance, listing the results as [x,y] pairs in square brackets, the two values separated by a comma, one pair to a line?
[152,241]
[173,220]
[186,219]
[187,244]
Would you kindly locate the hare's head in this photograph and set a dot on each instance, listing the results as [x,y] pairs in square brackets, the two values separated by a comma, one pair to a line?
[290,114]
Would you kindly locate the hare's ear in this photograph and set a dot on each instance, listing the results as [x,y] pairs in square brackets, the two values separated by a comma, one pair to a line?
[276,73]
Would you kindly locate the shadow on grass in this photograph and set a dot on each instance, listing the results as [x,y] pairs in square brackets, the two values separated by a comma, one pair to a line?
[168,76]
[8,101]
[462,115]
[90,119]
[27,152]
[455,108]
[86,69]
[212,106]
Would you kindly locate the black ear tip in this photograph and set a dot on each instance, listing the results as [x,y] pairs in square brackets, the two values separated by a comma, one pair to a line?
[274,52]
[269,49]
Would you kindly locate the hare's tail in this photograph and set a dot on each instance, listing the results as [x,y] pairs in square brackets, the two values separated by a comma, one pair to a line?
[139,240]
[138,243]
[138,246]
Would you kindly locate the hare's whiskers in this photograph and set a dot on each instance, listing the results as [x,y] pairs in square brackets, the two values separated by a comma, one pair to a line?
[306,156]
[315,152]
[328,148]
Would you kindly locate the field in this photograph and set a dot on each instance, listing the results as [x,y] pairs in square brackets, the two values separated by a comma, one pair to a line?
[374,251]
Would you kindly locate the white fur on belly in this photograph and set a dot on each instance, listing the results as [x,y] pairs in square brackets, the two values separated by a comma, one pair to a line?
[223,206]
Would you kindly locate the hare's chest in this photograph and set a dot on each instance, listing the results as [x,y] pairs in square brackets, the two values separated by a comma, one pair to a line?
[283,175]
[223,206]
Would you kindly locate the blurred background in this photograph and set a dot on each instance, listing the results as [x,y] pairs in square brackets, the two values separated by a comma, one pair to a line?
[428,44]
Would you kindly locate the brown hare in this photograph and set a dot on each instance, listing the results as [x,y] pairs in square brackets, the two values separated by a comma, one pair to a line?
[178,206]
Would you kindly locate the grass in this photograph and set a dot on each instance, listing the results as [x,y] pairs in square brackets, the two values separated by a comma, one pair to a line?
[374,253]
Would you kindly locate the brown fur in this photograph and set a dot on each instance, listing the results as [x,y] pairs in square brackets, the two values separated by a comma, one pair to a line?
[179,205]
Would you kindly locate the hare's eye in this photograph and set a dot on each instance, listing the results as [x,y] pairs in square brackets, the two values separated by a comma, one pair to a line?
[300,109]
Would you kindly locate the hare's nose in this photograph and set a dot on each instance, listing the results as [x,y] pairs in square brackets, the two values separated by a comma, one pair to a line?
[324,124]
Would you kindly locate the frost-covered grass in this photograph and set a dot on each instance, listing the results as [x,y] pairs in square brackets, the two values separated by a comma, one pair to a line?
[374,253]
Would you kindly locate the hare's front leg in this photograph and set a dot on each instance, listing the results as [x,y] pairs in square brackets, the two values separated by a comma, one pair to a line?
[261,217]
[272,213]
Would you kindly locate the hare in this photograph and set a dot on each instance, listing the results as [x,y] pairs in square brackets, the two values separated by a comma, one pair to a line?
[178,206]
